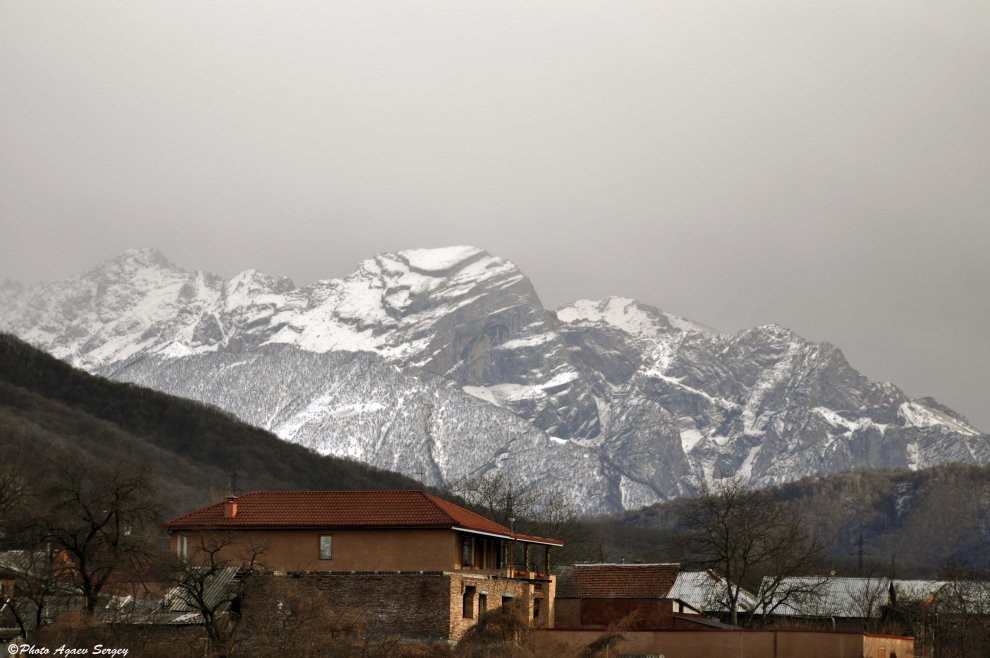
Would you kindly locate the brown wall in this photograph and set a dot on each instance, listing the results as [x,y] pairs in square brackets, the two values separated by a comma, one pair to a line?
[353,550]
[627,613]
[423,606]
[568,613]
[357,550]
[744,644]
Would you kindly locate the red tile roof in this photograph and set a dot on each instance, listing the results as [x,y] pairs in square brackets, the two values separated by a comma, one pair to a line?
[618,581]
[343,509]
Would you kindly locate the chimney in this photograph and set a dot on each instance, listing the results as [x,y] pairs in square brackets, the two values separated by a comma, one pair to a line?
[230,507]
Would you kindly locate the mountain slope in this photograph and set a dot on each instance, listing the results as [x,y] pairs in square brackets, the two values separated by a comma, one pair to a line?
[924,520]
[635,404]
[356,404]
[50,411]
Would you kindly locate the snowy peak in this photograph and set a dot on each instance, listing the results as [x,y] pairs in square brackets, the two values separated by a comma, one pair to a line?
[252,283]
[648,404]
[422,280]
[915,413]
[133,261]
[442,261]
[636,319]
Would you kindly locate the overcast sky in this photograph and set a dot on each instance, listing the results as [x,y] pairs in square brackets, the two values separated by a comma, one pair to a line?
[824,164]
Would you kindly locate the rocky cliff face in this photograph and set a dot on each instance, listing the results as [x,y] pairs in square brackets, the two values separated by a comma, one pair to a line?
[616,402]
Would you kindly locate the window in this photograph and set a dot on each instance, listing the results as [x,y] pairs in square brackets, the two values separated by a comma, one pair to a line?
[536,609]
[467,554]
[326,547]
[182,547]
[482,603]
[467,604]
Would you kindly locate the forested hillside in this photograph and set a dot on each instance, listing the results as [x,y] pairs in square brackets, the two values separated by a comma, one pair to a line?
[52,414]
[914,523]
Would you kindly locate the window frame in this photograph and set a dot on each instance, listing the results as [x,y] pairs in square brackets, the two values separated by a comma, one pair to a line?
[326,547]
[467,602]
[182,547]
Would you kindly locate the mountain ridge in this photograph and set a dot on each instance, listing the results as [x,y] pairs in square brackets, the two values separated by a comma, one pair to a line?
[646,405]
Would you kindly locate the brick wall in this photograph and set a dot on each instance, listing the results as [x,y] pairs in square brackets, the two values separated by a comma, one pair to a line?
[412,605]
[425,606]
[493,589]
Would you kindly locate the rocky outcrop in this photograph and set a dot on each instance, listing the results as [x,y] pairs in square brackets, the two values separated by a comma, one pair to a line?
[618,403]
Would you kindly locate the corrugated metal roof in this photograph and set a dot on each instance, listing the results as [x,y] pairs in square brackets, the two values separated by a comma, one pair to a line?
[949,595]
[178,606]
[217,587]
[32,563]
[864,597]
[823,596]
[705,591]
[917,590]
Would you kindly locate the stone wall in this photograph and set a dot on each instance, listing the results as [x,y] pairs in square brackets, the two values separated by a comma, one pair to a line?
[413,605]
[493,591]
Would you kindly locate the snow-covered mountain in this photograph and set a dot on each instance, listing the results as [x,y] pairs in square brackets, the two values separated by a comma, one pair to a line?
[616,402]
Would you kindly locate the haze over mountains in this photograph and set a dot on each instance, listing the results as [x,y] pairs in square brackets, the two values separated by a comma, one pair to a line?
[443,363]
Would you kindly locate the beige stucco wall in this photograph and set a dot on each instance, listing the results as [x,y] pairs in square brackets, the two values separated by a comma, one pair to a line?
[353,550]
[745,644]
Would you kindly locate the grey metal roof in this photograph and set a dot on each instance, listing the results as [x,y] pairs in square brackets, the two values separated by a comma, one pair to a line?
[217,588]
[705,591]
[827,596]
[971,596]
[177,606]
[27,563]
[917,590]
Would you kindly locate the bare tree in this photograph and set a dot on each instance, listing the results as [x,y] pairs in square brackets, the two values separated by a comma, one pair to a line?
[753,540]
[505,499]
[99,520]
[42,577]
[13,490]
[531,510]
[961,613]
[287,617]
[207,584]
[500,495]
[869,602]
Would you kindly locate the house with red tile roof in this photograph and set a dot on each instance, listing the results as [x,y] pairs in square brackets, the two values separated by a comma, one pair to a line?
[636,595]
[339,536]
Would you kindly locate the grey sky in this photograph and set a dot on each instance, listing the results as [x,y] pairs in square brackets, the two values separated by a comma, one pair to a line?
[822,164]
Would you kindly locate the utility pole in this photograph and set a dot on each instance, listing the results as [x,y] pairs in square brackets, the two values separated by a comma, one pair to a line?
[232,489]
[859,553]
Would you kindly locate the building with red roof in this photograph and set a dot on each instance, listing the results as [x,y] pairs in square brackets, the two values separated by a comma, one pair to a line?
[638,596]
[349,533]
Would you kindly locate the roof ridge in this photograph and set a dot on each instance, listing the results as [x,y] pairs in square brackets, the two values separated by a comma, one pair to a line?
[334,491]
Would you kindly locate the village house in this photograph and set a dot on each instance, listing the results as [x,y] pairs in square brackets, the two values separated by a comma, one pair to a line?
[706,591]
[830,602]
[635,596]
[420,566]
[30,577]
[648,608]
